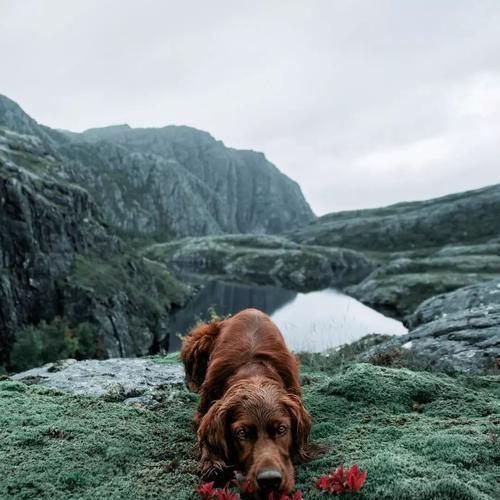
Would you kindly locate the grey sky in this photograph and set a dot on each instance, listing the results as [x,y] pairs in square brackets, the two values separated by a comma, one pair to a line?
[364,103]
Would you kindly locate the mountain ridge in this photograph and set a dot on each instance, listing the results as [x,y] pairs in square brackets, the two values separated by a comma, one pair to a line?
[169,182]
[468,216]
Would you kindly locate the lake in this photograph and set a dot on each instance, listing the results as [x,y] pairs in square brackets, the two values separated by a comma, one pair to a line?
[311,322]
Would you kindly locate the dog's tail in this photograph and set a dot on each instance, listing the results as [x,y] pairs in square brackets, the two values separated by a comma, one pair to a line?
[196,350]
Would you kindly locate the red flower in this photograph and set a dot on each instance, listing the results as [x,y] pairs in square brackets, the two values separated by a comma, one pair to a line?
[323,483]
[208,492]
[275,496]
[337,479]
[355,478]
[205,490]
[225,494]
[341,480]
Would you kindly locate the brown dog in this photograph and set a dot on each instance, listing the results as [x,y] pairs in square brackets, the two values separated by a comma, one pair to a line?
[250,416]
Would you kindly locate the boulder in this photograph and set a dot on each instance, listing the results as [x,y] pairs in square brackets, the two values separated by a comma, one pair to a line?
[131,380]
[457,331]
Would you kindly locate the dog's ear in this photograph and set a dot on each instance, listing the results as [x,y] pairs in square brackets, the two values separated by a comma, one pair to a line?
[301,428]
[212,440]
[195,352]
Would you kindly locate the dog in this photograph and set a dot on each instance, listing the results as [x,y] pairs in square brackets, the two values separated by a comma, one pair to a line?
[250,416]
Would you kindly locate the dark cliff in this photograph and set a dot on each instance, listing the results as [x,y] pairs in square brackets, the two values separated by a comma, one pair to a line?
[59,260]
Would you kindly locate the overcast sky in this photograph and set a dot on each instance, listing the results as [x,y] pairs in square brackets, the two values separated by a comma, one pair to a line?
[364,103]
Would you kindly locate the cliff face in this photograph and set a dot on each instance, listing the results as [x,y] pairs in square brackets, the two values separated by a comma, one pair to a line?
[172,181]
[58,259]
[42,226]
[234,191]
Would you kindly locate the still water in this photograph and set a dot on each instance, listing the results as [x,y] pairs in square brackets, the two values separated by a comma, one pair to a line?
[311,322]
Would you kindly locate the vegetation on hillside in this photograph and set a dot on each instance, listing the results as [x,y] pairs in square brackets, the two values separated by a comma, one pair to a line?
[49,342]
[148,283]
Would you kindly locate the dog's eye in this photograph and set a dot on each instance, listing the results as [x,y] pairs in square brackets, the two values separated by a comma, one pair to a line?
[241,433]
[281,429]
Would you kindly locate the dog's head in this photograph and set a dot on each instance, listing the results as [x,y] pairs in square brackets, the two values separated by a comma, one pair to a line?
[259,429]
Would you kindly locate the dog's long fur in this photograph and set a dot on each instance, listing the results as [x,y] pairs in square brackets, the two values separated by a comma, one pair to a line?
[242,366]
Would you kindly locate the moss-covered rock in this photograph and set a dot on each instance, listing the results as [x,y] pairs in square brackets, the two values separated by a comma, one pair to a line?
[419,436]
[264,259]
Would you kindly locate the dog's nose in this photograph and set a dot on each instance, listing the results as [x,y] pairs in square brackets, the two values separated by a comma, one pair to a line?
[269,479]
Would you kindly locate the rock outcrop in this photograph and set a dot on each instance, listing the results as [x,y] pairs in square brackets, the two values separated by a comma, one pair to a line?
[169,182]
[398,287]
[265,260]
[483,296]
[130,380]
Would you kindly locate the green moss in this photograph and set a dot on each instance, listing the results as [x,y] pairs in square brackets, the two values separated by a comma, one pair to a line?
[30,162]
[419,436]
[54,445]
[168,359]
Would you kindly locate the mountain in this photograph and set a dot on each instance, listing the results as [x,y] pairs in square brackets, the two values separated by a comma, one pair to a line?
[70,286]
[171,181]
[468,217]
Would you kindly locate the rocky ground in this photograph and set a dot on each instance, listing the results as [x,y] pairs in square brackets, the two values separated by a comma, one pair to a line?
[131,380]
[419,435]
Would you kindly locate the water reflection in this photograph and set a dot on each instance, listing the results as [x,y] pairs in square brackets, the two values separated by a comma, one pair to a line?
[311,321]
[226,298]
[316,321]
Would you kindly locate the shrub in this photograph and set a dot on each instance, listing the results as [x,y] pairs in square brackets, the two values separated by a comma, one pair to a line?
[48,342]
